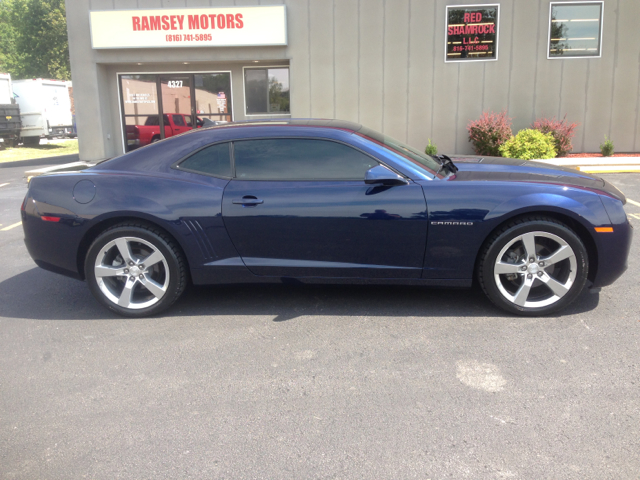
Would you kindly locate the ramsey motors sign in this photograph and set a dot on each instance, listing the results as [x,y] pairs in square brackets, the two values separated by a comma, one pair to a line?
[193,27]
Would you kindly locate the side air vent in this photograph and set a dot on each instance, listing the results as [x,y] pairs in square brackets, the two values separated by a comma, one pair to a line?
[201,239]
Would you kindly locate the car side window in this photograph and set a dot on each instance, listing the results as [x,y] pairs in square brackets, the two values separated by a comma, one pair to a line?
[214,160]
[178,121]
[299,159]
[152,120]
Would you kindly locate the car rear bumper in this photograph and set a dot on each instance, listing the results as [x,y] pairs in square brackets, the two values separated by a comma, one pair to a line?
[52,246]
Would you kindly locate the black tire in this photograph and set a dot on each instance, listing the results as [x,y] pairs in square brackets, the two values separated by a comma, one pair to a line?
[155,139]
[168,275]
[547,284]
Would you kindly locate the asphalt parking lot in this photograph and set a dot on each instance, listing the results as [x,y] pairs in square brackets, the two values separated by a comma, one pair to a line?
[293,382]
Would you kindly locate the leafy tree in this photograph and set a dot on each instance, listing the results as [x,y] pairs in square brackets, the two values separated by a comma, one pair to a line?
[558,32]
[33,35]
[278,98]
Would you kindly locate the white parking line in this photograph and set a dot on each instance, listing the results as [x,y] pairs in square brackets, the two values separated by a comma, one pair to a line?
[4,185]
[632,202]
[10,227]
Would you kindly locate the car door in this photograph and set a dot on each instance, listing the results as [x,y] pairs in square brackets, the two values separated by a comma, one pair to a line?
[299,207]
[179,125]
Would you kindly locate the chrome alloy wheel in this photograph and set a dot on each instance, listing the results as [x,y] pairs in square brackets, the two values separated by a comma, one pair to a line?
[535,269]
[132,272]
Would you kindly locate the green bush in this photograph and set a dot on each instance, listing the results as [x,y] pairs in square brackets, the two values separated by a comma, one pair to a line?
[607,147]
[529,144]
[431,149]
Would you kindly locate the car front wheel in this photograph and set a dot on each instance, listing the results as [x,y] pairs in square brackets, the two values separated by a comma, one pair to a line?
[533,266]
[135,270]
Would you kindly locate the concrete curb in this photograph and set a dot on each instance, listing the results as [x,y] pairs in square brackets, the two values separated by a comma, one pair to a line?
[598,164]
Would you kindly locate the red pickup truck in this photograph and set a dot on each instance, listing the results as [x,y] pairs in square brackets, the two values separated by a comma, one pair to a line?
[174,123]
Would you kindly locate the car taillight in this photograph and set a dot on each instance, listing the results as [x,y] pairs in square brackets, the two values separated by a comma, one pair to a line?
[133,131]
[50,219]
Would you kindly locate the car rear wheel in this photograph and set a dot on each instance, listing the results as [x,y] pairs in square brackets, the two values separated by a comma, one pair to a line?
[135,270]
[533,266]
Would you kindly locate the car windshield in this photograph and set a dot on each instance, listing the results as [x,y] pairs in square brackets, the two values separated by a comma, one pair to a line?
[414,156]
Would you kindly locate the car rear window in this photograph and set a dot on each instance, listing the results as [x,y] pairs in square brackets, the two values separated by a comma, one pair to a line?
[214,160]
[299,159]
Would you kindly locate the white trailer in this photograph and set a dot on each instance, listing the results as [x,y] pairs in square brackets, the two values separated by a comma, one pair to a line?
[45,109]
[6,92]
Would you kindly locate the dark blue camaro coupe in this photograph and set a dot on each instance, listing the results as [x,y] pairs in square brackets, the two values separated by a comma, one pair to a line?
[324,201]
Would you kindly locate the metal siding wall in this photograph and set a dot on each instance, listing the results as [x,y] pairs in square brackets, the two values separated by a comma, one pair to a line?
[445,89]
[572,96]
[624,126]
[371,67]
[321,57]
[396,66]
[298,52]
[495,88]
[346,71]
[524,40]
[422,54]
[549,73]
[598,87]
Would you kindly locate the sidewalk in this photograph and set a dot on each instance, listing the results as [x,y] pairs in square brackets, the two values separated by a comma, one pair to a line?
[57,160]
[598,164]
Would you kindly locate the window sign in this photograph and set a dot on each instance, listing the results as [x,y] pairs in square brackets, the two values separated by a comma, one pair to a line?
[575,29]
[472,33]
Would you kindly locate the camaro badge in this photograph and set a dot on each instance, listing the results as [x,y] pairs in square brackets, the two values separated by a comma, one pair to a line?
[451,223]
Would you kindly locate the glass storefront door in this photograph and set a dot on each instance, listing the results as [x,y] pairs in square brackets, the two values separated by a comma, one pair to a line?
[157,106]
[176,104]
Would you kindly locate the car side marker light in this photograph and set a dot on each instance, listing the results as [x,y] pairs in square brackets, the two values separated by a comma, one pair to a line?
[604,229]
[51,219]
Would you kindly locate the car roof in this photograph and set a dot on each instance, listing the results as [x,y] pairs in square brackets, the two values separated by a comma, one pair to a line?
[291,122]
[151,158]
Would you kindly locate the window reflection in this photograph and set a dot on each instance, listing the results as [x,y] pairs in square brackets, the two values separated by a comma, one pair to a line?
[267,91]
[299,159]
[213,97]
[575,30]
[208,95]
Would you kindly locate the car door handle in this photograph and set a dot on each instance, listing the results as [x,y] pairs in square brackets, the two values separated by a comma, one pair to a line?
[248,201]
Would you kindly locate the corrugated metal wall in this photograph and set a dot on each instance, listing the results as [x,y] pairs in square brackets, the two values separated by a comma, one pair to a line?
[380,62]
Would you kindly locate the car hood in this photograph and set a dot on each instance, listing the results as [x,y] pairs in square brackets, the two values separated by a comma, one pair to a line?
[495,169]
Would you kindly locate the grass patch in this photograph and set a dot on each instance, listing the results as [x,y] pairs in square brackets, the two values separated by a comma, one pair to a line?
[41,151]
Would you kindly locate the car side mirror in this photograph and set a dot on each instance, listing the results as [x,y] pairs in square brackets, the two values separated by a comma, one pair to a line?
[381,175]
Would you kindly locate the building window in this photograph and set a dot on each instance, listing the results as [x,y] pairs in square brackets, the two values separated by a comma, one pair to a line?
[575,29]
[472,33]
[266,91]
